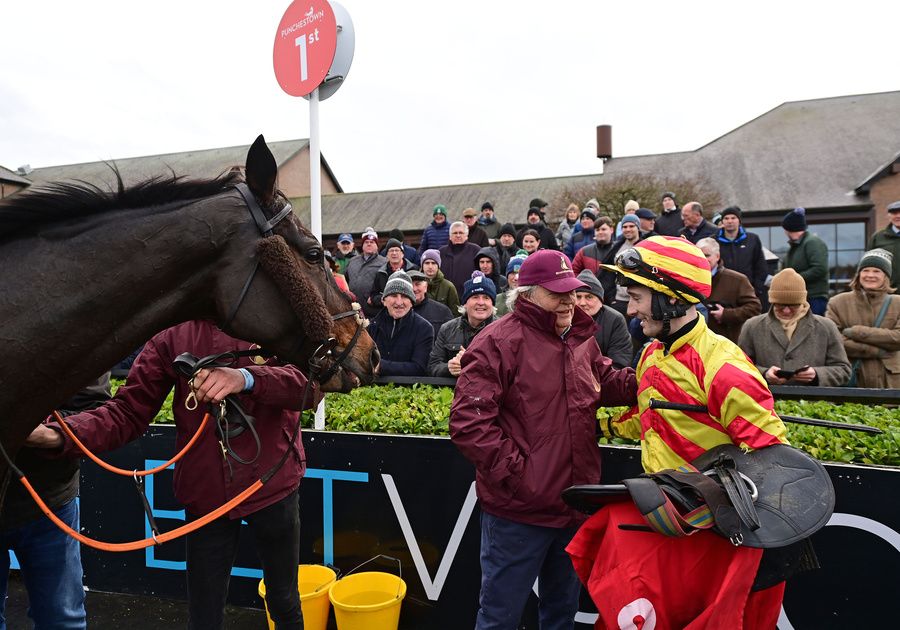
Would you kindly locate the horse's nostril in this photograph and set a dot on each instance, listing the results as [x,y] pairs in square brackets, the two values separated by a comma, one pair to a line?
[375,358]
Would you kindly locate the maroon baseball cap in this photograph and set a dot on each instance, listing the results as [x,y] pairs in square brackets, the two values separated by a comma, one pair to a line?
[551,270]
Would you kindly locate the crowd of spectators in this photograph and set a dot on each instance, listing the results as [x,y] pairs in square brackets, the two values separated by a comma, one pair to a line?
[426,304]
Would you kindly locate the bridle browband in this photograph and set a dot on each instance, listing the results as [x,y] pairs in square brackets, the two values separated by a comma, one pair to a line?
[326,348]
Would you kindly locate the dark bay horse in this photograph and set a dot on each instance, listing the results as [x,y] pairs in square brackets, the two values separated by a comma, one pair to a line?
[90,275]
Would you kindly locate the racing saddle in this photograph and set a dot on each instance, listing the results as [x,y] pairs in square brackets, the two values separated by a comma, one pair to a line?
[771,497]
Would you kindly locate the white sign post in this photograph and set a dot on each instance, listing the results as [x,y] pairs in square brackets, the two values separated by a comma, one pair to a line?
[313,48]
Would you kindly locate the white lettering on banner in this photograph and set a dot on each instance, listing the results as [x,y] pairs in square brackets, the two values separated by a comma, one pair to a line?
[892,537]
[640,610]
[432,589]
[300,43]
[309,19]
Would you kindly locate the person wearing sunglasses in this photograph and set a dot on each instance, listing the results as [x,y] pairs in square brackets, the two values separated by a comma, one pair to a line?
[666,278]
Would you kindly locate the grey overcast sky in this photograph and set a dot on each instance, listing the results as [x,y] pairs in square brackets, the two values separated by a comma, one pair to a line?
[439,92]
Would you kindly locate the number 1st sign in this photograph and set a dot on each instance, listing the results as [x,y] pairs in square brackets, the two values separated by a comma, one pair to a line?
[304,46]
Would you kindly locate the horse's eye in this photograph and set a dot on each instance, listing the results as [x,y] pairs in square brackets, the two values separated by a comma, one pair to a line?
[314,256]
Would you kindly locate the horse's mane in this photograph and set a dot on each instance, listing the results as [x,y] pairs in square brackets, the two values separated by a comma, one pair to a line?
[61,201]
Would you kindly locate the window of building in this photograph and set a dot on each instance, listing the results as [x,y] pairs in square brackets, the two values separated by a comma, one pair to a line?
[846,244]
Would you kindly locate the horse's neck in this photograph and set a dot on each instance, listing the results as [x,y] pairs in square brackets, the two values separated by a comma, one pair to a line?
[76,306]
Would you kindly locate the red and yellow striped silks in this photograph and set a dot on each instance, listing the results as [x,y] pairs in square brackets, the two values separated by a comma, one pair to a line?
[701,368]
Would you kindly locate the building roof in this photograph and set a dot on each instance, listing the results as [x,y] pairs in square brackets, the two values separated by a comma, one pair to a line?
[204,163]
[815,153]
[411,209]
[7,175]
[811,153]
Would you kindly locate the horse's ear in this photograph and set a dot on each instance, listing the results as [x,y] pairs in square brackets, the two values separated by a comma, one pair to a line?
[261,171]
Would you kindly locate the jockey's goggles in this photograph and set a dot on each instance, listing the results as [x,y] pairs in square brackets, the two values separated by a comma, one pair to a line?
[631,260]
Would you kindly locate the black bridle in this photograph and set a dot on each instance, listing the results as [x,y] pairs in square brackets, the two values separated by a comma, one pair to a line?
[326,348]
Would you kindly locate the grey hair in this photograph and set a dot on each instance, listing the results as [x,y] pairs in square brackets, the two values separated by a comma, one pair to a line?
[512,296]
[712,243]
[461,309]
[460,224]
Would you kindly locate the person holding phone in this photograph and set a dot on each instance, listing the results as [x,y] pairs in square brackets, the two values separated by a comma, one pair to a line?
[789,344]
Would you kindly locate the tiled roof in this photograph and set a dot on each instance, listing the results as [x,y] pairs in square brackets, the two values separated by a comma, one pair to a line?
[204,163]
[7,175]
[410,209]
[812,153]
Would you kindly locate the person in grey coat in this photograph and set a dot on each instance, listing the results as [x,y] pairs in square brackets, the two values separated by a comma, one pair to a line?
[790,345]
[612,330]
[362,269]
[479,295]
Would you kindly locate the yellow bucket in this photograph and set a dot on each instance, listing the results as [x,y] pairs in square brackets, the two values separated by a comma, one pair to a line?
[313,582]
[367,601]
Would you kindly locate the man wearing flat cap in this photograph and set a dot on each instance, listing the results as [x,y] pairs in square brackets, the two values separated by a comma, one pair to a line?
[477,234]
[525,414]
[648,221]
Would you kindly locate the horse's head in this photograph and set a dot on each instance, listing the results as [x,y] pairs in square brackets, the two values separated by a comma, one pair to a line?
[292,306]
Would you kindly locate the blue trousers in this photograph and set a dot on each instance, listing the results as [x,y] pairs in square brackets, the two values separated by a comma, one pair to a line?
[50,562]
[513,556]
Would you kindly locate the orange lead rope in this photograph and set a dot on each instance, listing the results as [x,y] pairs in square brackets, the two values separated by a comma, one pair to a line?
[146,542]
[122,471]
[156,539]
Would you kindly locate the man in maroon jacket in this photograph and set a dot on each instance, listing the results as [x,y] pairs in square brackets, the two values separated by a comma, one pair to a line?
[525,414]
[206,477]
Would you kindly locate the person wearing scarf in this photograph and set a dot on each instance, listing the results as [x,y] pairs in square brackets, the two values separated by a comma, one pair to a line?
[789,344]
[868,317]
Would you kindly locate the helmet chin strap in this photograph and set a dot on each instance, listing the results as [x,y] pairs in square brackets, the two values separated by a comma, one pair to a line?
[662,310]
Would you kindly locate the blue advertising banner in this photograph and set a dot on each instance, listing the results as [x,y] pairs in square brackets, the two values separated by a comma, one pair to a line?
[413,498]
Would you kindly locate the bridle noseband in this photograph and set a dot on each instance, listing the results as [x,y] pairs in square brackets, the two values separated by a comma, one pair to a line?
[326,348]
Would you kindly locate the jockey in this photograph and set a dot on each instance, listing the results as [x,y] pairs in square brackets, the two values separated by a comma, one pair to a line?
[687,363]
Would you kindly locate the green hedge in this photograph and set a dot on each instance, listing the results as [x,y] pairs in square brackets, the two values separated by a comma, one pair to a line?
[424,410]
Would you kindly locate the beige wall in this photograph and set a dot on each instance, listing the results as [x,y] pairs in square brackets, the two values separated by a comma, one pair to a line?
[8,188]
[885,191]
[293,177]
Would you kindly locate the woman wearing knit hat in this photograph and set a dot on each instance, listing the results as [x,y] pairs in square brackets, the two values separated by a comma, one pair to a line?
[869,320]
[476,312]
[792,345]
[403,337]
